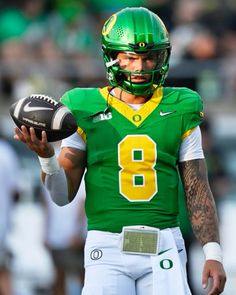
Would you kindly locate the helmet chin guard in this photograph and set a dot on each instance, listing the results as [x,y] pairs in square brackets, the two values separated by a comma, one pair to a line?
[135,30]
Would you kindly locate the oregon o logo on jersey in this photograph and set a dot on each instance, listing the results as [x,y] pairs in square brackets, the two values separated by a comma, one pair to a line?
[137,159]
[166,264]
[136,118]
[96,254]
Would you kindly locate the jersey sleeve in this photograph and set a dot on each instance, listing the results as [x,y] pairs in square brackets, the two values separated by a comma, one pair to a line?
[74,100]
[191,146]
[192,115]
[74,141]
[65,99]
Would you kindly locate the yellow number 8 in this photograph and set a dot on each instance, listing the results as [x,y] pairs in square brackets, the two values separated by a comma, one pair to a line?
[137,177]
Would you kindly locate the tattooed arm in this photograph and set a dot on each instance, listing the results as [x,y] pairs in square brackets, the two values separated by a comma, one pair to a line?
[203,217]
[199,201]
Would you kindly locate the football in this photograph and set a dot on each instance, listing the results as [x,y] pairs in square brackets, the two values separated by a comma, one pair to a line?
[43,112]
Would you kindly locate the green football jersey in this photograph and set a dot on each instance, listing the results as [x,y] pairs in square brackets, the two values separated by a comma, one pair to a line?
[132,176]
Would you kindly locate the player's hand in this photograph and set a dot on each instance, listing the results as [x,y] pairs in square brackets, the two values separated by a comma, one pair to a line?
[214,270]
[41,147]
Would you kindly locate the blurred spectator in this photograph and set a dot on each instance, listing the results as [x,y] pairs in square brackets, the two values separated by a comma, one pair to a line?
[219,179]
[164,9]
[40,70]
[31,265]
[22,26]
[219,16]
[65,238]
[203,46]
[104,8]
[186,24]
[195,52]
[204,49]
[47,72]
[23,21]
[13,52]
[9,174]
[228,64]
[71,29]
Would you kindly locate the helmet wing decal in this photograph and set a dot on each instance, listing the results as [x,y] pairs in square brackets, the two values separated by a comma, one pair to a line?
[109,25]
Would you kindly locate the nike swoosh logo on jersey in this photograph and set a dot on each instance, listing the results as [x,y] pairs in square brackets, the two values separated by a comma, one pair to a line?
[166,113]
[162,252]
[27,108]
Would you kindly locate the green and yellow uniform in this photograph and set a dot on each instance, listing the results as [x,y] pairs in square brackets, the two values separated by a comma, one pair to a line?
[132,156]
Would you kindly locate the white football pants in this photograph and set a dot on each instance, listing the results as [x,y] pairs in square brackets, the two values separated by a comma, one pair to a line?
[108,271]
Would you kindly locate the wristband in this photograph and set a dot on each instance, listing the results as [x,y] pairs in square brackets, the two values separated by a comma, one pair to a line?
[212,251]
[49,165]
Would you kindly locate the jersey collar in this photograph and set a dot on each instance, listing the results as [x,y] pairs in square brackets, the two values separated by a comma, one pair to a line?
[135,117]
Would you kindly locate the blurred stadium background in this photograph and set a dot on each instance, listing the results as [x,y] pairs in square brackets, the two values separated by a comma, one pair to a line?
[48,46]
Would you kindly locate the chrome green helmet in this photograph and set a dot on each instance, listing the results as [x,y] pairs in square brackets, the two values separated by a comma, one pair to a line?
[136,30]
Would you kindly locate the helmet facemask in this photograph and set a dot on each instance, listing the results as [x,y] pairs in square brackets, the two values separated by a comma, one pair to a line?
[119,77]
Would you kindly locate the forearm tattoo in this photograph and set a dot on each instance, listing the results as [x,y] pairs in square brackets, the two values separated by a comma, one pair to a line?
[199,201]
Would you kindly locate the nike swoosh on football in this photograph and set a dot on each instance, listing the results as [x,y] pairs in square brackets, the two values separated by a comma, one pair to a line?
[27,108]
[166,113]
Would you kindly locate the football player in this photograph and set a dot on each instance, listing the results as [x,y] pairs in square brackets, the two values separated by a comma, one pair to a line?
[135,137]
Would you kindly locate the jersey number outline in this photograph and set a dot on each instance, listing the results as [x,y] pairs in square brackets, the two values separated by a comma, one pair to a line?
[137,156]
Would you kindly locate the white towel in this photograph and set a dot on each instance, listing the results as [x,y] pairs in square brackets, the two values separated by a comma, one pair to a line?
[169,276]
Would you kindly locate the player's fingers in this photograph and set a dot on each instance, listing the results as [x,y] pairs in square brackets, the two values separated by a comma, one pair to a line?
[25,133]
[218,283]
[18,135]
[44,137]
[205,279]
[217,286]
[222,283]
[214,290]
[33,136]
[213,271]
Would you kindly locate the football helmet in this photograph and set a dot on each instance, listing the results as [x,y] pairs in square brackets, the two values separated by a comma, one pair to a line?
[137,30]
